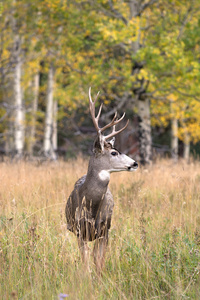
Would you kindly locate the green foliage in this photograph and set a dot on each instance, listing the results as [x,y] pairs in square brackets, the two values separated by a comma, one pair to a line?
[98,43]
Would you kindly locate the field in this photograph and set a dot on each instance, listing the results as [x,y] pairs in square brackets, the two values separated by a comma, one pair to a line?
[154,246]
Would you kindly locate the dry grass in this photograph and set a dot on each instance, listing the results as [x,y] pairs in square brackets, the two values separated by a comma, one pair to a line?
[154,246]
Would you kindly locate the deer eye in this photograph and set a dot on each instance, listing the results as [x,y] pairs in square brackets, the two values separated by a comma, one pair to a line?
[114,153]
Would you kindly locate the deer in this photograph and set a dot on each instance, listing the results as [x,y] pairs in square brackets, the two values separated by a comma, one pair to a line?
[89,207]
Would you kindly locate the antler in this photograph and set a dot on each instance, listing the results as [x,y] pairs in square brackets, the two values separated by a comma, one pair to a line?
[113,123]
[92,111]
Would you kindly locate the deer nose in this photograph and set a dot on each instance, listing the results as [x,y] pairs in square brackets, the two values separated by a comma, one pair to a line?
[135,165]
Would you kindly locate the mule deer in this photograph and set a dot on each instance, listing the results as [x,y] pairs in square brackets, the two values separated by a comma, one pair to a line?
[90,205]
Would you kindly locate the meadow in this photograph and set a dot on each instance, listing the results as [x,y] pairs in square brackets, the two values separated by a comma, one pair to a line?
[154,245]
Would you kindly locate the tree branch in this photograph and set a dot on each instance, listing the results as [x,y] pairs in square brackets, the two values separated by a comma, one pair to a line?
[121,102]
[116,13]
[185,94]
[185,20]
[146,5]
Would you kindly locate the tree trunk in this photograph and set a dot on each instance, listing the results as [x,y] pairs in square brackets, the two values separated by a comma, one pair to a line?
[18,101]
[48,133]
[186,150]
[144,131]
[33,114]
[143,103]
[55,131]
[174,138]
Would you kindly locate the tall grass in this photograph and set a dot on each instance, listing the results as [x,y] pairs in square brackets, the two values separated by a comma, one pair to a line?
[154,246]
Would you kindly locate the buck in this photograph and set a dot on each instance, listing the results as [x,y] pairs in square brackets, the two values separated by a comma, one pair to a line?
[89,207]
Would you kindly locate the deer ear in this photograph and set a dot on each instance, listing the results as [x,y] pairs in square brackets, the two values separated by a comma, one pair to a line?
[112,141]
[98,144]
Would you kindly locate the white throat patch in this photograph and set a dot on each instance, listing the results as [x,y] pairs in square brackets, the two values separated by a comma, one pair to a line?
[104,175]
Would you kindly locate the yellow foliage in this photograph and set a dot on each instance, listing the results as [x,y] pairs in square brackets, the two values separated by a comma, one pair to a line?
[156,51]
[172,97]
[143,74]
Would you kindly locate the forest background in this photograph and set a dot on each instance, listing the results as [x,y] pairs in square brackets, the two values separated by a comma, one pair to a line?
[143,57]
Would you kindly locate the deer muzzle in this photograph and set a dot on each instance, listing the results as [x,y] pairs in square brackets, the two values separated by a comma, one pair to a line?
[134,166]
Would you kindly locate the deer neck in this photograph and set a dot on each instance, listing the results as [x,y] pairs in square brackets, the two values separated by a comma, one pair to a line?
[97,180]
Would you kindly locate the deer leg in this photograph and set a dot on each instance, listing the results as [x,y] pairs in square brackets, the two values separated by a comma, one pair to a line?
[99,252]
[83,249]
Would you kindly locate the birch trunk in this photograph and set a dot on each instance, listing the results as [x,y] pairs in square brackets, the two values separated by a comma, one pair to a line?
[48,133]
[186,150]
[18,101]
[143,103]
[33,113]
[144,131]
[174,138]
[55,130]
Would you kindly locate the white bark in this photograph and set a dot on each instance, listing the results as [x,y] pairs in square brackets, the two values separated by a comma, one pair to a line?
[55,131]
[174,133]
[134,8]
[48,133]
[186,150]
[145,141]
[18,101]
[33,113]
[174,138]
[18,112]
